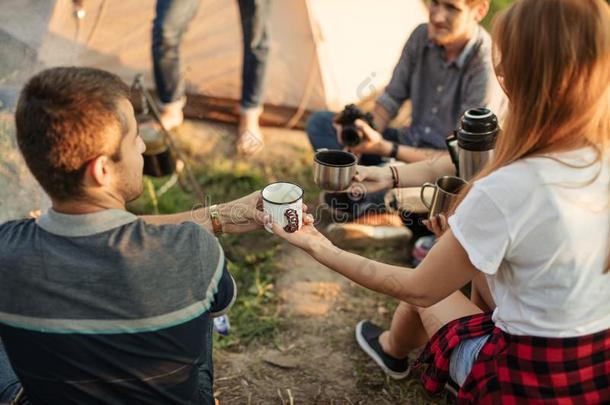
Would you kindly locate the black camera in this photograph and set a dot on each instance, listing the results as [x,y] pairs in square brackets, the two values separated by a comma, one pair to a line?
[350,134]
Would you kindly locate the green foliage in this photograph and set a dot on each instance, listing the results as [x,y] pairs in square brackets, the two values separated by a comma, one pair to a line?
[254,315]
[494,7]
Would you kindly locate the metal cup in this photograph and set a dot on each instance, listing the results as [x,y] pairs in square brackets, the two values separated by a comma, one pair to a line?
[283,201]
[333,170]
[446,190]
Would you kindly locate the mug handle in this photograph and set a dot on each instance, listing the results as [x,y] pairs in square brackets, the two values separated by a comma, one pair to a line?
[427,203]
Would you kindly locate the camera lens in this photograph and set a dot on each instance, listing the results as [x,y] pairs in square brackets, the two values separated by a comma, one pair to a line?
[350,135]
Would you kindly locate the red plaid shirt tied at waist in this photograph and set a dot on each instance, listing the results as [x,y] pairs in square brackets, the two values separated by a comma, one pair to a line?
[514,369]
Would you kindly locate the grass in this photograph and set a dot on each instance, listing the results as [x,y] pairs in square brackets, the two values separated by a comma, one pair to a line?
[251,257]
[254,316]
[494,7]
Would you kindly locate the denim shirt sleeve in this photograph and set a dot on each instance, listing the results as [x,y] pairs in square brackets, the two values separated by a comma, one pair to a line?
[399,88]
[480,87]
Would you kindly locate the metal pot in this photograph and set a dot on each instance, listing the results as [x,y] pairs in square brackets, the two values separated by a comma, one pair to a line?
[158,158]
[333,170]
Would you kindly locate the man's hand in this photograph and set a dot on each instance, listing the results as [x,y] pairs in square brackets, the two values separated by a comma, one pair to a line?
[372,141]
[370,179]
[245,214]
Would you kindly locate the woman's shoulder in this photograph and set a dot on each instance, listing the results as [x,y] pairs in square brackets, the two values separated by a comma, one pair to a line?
[517,176]
[536,176]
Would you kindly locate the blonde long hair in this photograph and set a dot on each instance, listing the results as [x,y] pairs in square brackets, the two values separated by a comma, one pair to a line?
[553,57]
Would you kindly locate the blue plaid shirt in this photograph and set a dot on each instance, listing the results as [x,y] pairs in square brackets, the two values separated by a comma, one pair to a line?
[440,90]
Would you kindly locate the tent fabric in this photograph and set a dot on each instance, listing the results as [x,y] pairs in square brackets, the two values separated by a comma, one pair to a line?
[324,53]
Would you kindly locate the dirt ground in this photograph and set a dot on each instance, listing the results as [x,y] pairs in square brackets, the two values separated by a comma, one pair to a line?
[315,359]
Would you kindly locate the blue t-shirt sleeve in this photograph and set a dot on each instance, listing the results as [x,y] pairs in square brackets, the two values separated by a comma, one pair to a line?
[225,295]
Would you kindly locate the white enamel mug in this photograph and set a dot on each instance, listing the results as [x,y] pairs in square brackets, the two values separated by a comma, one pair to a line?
[283,201]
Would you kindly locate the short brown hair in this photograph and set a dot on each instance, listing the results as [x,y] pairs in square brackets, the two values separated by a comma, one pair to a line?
[62,119]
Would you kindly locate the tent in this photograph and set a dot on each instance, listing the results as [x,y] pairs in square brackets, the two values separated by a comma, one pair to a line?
[325,53]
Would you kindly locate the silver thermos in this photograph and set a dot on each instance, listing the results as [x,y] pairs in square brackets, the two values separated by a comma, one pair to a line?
[472,144]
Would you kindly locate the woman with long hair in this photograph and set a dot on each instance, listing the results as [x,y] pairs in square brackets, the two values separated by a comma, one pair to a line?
[534,226]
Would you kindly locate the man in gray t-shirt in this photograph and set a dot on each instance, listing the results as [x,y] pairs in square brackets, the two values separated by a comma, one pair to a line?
[96,304]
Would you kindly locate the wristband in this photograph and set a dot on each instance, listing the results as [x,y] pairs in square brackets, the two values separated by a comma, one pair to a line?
[394,150]
[215,218]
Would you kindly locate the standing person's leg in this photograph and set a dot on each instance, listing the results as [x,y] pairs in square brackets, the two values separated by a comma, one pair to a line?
[254,24]
[171,20]
[255,36]
[9,383]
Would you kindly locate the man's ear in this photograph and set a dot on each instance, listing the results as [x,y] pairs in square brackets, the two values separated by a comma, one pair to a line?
[480,10]
[98,172]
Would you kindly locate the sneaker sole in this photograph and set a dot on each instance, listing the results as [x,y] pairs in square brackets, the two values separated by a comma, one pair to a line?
[367,349]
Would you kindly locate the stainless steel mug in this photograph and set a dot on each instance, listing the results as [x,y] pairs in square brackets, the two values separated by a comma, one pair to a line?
[446,190]
[333,170]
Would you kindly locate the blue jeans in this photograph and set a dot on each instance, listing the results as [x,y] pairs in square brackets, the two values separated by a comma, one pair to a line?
[170,23]
[322,134]
[463,357]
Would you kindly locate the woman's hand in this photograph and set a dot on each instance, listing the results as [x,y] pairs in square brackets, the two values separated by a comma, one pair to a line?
[307,238]
[370,179]
[245,214]
[437,225]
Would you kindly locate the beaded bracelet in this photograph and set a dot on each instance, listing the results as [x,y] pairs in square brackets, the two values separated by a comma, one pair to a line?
[395,178]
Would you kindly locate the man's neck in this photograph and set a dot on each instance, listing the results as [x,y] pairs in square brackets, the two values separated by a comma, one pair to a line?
[454,49]
[88,205]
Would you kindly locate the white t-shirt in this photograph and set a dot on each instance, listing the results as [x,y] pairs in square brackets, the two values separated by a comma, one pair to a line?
[540,231]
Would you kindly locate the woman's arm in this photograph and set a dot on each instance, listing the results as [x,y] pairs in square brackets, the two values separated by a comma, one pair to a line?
[374,178]
[445,269]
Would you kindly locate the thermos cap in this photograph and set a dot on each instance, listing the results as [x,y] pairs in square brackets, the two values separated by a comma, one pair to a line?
[477,130]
